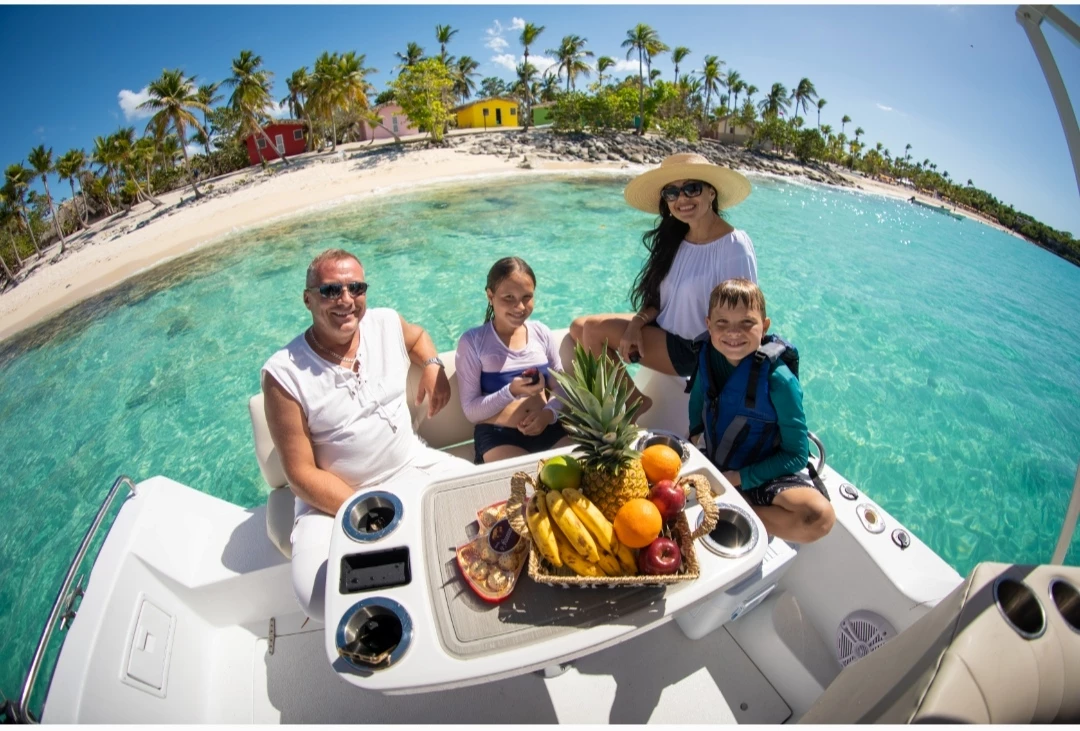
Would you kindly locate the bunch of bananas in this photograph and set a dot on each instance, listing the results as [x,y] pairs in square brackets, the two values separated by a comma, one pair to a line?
[569,530]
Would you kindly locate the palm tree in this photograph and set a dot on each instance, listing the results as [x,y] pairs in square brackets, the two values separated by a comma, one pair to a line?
[710,78]
[463,74]
[526,77]
[529,34]
[548,90]
[653,49]
[803,94]
[207,94]
[251,97]
[820,105]
[171,97]
[603,64]
[569,55]
[776,102]
[678,54]
[339,82]
[750,90]
[42,161]
[734,83]
[412,56]
[443,34]
[69,167]
[16,183]
[640,38]
[130,153]
[843,121]
[858,131]
[102,156]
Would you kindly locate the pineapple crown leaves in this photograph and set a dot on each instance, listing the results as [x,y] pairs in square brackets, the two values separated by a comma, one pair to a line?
[597,416]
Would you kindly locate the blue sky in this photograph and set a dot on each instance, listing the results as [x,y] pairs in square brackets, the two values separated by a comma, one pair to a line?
[960,83]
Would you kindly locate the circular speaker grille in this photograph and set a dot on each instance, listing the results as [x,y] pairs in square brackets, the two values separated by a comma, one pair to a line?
[861,633]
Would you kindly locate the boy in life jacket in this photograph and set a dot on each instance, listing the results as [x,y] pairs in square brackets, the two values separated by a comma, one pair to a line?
[748,403]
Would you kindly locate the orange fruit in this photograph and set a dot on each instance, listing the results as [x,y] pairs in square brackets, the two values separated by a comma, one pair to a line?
[661,462]
[638,523]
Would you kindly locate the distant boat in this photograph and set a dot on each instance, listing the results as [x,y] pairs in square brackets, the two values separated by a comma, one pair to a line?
[940,209]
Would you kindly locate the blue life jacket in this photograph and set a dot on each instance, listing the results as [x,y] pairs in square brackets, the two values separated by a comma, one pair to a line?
[740,421]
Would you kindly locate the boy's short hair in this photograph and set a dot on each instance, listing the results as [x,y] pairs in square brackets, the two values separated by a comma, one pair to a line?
[330,255]
[732,292]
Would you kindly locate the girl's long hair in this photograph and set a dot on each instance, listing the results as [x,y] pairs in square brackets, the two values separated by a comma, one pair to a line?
[499,271]
[662,243]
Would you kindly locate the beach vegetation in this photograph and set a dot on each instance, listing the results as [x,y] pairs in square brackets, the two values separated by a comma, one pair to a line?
[645,41]
[571,55]
[422,90]
[463,72]
[413,55]
[172,97]
[493,86]
[443,34]
[41,160]
[250,83]
[529,35]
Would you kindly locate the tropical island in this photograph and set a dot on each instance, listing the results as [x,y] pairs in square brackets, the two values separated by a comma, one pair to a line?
[417,129]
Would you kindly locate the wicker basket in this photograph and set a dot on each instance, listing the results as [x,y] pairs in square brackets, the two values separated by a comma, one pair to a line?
[543,572]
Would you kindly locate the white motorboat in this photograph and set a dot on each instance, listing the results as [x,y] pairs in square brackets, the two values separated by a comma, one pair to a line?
[188,616]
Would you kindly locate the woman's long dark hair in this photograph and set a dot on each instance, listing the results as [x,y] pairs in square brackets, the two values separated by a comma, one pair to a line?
[499,271]
[662,243]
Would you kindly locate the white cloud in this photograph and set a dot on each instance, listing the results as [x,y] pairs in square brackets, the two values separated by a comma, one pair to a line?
[543,63]
[882,107]
[130,101]
[278,111]
[517,24]
[506,60]
[626,65]
[497,44]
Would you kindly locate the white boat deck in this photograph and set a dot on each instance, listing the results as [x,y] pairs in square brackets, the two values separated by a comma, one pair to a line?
[658,677]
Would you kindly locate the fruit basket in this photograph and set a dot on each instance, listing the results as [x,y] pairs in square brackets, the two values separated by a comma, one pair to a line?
[543,571]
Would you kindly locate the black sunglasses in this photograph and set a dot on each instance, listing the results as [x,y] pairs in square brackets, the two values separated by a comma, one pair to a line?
[691,189]
[333,290]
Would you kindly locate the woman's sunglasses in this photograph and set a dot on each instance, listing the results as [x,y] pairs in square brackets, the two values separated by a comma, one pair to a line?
[690,190]
[333,290]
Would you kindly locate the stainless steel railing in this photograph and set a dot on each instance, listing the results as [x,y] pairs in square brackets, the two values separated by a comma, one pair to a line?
[64,606]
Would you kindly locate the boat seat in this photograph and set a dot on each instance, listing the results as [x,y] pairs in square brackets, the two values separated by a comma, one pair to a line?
[448,430]
[1003,647]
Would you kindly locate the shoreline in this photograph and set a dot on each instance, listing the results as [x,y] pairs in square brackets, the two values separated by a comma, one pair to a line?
[124,245]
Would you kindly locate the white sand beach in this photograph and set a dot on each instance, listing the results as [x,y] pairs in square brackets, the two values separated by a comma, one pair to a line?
[121,245]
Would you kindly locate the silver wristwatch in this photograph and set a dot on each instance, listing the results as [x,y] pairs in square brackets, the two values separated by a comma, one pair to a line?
[436,360]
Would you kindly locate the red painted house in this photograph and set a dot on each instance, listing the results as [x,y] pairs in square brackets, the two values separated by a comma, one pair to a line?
[288,138]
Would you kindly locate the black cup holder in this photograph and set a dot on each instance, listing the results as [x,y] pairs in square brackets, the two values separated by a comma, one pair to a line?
[668,439]
[1020,607]
[371,516]
[374,634]
[735,534]
[1067,600]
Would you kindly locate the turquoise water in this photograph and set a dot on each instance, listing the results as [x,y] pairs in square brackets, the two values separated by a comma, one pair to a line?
[939,357]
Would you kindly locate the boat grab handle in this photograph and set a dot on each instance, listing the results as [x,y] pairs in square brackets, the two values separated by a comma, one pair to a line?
[820,450]
[64,601]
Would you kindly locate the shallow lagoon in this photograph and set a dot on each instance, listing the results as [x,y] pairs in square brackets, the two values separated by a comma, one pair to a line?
[941,381]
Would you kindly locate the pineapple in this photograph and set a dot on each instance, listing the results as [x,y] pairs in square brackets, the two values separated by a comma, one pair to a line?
[597,418]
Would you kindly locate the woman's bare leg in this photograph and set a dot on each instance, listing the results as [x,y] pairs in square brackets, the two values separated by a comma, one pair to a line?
[594,331]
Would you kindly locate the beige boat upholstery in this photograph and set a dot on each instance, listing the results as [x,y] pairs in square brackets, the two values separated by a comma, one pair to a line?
[966,661]
[448,430]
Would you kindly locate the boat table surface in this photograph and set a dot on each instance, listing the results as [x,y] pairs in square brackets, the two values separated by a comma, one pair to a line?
[458,640]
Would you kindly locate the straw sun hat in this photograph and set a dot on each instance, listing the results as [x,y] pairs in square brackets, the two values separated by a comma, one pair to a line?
[643,192]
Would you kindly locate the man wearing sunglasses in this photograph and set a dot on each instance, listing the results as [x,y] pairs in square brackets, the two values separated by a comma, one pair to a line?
[336,409]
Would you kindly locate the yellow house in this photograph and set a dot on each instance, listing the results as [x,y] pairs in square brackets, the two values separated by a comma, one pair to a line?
[496,111]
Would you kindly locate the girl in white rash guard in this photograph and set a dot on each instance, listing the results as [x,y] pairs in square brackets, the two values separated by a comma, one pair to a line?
[691,250]
[504,370]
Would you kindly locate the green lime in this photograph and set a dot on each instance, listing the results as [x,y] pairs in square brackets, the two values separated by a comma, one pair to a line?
[561,472]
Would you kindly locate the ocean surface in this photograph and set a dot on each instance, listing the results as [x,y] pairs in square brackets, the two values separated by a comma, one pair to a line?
[940,359]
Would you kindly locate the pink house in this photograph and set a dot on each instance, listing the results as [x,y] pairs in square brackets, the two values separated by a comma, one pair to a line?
[392,119]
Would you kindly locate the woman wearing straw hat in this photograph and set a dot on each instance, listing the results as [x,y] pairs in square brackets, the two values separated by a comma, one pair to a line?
[691,250]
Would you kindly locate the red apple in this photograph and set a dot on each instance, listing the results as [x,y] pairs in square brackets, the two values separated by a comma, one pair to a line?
[662,556]
[669,498]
